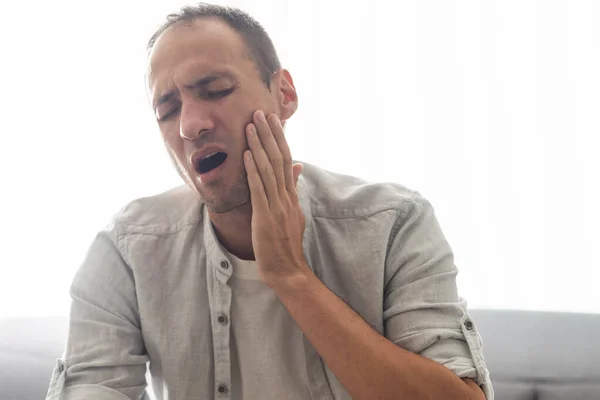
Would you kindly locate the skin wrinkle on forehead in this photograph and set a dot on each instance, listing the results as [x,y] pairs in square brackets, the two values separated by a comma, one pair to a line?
[155,91]
[211,77]
[223,55]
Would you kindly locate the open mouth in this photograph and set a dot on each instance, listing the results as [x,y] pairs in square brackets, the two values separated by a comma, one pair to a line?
[210,162]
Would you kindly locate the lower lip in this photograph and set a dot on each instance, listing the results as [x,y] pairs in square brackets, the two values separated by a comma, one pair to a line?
[213,174]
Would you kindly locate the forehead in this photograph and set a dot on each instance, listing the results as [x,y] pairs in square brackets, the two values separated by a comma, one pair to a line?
[189,49]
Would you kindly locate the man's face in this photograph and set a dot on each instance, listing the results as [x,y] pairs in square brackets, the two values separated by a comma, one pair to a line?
[204,89]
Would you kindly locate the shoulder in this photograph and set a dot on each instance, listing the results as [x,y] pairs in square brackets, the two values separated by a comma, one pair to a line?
[334,195]
[160,214]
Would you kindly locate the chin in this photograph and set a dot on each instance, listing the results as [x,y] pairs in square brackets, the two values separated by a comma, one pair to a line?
[221,203]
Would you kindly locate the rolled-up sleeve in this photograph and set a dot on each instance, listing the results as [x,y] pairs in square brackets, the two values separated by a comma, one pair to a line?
[422,310]
[105,356]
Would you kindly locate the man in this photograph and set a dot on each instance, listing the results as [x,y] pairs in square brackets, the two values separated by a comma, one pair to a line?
[260,278]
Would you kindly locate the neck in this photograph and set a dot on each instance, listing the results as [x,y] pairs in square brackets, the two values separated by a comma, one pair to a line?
[234,231]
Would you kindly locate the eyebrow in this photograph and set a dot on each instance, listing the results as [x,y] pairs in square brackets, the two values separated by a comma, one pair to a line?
[199,83]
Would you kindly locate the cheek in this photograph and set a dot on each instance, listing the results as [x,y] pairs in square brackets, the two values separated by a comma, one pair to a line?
[170,135]
[174,145]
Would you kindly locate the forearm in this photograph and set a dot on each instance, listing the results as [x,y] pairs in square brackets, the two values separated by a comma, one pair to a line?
[367,364]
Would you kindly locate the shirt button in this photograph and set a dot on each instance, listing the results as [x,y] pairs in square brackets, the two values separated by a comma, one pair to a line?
[469,325]
[222,319]
[222,389]
[224,264]
[61,368]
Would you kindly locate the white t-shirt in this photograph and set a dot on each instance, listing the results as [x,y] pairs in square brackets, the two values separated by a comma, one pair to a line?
[267,354]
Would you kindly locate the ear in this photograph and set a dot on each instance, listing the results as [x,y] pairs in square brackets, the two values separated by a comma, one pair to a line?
[287,98]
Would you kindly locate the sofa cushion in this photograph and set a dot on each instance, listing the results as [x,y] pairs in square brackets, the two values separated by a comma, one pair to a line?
[574,391]
[513,390]
[554,354]
[28,350]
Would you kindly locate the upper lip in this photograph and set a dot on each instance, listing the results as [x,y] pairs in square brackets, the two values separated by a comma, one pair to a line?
[203,152]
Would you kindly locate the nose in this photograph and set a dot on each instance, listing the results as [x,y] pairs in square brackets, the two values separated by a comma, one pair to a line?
[195,120]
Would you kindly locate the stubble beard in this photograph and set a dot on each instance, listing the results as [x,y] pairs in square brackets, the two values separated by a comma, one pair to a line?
[228,199]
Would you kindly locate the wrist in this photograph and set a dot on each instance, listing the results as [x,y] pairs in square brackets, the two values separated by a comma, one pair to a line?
[296,280]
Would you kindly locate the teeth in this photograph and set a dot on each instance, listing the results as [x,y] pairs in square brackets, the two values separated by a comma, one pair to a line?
[209,155]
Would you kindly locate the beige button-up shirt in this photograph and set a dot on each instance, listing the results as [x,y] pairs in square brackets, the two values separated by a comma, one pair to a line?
[154,291]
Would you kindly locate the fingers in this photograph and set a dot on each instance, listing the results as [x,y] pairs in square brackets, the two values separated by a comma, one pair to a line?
[284,156]
[261,162]
[258,196]
[272,159]
[284,150]
[267,128]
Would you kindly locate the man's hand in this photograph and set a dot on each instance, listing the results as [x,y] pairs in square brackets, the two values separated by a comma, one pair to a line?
[366,363]
[277,219]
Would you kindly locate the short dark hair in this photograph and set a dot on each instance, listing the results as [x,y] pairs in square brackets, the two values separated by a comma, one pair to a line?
[260,46]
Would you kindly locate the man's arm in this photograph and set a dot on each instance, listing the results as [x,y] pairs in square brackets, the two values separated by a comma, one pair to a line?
[105,356]
[422,311]
[430,342]
[367,364]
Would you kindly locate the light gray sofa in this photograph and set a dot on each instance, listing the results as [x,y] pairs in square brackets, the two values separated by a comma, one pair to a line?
[541,355]
[531,355]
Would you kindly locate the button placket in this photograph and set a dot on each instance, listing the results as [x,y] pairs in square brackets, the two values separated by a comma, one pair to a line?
[221,329]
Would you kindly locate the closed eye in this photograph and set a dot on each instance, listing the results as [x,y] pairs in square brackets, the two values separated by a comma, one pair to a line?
[219,94]
[168,114]
[210,95]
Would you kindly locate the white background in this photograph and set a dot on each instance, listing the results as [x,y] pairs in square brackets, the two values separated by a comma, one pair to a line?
[488,108]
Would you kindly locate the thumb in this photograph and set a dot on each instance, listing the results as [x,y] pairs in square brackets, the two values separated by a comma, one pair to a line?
[296,170]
